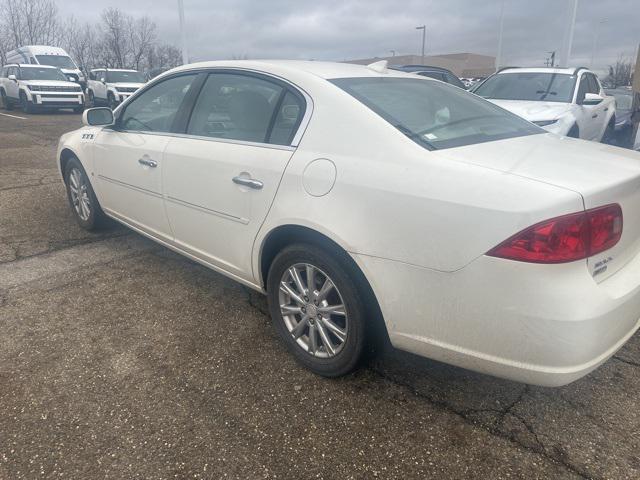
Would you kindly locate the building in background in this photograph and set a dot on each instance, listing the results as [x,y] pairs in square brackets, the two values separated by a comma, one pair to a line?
[465,65]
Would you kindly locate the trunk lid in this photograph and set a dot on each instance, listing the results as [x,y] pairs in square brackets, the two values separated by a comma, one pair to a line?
[601,174]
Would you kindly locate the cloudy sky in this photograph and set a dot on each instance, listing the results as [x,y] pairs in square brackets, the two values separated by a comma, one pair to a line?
[347,29]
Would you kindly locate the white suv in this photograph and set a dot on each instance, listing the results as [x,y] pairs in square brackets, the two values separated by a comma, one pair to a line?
[38,87]
[566,101]
[112,86]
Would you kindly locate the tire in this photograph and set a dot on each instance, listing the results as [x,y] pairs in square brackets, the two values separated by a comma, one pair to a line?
[574,132]
[111,101]
[25,104]
[78,109]
[6,103]
[91,99]
[84,204]
[336,337]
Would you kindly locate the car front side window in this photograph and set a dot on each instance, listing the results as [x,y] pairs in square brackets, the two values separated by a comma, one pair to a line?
[156,108]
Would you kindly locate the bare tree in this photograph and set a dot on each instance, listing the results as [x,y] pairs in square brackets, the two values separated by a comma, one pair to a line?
[29,22]
[620,73]
[117,41]
[142,34]
[114,47]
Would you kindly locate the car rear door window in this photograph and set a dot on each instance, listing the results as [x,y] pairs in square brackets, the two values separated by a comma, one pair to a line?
[155,109]
[245,108]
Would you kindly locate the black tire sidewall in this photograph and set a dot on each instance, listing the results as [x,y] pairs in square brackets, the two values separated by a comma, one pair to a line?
[111,101]
[351,353]
[95,215]
[24,103]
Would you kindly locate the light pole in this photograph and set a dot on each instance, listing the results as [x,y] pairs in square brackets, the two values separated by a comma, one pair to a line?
[424,37]
[596,36]
[500,32]
[185,56]
[567,42]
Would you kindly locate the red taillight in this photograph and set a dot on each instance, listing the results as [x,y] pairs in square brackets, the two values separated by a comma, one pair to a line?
[565,239]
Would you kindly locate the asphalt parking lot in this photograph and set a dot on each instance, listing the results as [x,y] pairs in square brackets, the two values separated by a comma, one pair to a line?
[120,359]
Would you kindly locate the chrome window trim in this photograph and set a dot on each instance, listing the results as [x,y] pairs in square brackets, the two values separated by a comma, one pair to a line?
[304,122]
[211,139]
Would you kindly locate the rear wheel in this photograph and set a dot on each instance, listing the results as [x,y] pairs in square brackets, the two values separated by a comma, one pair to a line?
[78,109]
[6,103]
[82,198]
[91,100]
[317,309]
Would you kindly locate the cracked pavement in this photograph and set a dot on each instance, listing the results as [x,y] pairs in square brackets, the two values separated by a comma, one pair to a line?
[120,359]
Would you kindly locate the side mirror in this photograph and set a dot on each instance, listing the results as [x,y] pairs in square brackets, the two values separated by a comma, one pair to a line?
[12,77]
[592,99]
[103,80]
[97,117]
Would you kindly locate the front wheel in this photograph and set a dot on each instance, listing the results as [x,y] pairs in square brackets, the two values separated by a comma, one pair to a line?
[112,101]
[78,109]
[317,309]
[25,104]
[608,136]
[82,198]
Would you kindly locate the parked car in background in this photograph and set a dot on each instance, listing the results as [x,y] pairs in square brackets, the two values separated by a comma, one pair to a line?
[438,73]
[112,86]
[46,55]
[566,101]
[624,124]
[466,233]
[33,87]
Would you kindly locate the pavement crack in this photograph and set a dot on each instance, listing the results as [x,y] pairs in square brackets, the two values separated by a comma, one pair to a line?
[252,302]
[495,429]
[628,362]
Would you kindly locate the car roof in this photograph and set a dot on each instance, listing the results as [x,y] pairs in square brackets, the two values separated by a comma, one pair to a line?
[566,71]
[41,50]
[113,69]
[28,65]
[419,68]
[326,70]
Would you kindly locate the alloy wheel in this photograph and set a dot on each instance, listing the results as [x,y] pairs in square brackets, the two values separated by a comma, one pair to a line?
[313,310]
[78,188]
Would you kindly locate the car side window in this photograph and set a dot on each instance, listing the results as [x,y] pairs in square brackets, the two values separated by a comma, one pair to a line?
[594,86]
[453,80]
[241,107]
[583,89]
[155,109]
[92,76]
[287,119]
[436,75]
[33,61]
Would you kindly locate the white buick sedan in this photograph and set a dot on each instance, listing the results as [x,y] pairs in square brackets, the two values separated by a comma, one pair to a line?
[359,197]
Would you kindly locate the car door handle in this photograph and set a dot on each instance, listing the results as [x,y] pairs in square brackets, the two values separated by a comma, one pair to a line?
[606,109]
[148,162]
[595,115]
[248,182]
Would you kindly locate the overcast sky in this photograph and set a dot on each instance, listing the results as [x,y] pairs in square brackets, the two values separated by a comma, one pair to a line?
[347,29]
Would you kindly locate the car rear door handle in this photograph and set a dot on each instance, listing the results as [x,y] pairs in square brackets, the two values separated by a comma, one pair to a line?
[148,162]
[248,182]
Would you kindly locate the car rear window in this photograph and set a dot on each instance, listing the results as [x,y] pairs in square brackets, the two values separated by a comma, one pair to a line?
[434,114]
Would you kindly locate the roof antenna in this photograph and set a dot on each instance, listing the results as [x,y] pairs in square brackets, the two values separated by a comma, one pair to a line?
[379,67]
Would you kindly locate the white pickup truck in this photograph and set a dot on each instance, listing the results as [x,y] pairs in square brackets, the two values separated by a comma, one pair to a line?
[566,101]
[110,86]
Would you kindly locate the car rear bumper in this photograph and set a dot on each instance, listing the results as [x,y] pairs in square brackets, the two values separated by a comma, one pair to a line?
[539,324]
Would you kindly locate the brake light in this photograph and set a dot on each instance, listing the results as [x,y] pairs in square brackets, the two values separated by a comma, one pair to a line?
[566,238]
